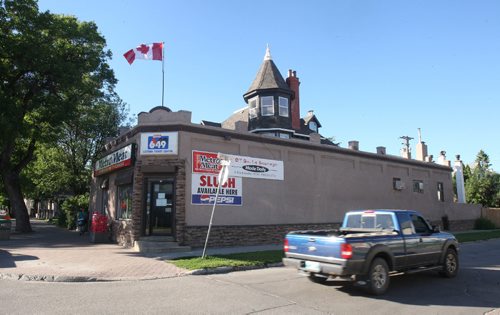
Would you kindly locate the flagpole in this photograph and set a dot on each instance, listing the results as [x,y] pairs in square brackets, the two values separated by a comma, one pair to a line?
[162,72]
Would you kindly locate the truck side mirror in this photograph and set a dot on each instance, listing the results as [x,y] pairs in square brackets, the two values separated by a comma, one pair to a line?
[436,229]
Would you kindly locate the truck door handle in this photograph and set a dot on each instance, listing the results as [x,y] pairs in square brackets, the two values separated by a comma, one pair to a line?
[421,240]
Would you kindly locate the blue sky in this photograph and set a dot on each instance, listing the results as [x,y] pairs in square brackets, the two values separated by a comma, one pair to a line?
[372,71]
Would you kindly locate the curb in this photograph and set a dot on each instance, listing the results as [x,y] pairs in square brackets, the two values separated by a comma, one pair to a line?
[197,272]
[51,278]
[47,278]
[222,270]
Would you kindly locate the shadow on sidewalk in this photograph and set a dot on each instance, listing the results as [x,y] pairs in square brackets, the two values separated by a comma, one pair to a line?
[47,235]
[7,260]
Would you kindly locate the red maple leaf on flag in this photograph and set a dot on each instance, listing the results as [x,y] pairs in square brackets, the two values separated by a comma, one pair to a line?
[143,49]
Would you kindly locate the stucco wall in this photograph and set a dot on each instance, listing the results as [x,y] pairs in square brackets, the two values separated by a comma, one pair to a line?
[319,186]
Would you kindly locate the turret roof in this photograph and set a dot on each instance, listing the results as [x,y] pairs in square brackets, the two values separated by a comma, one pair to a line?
[268,76]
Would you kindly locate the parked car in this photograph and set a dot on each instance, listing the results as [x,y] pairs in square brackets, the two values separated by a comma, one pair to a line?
[371,246]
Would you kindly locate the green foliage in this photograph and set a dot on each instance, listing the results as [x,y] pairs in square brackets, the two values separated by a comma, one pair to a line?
[233,260]
[53,68]
[70,207]
[477,236]
[484,224]
[482,185]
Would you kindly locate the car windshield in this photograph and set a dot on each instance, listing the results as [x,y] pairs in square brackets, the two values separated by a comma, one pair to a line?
[370,221]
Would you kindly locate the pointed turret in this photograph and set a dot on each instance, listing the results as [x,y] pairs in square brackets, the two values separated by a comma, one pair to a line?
[269,100]
[268,77]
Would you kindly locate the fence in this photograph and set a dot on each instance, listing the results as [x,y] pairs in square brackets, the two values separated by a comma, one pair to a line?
[493,214]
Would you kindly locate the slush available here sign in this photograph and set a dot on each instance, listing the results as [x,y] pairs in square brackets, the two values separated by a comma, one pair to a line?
[204,190]
[159,143]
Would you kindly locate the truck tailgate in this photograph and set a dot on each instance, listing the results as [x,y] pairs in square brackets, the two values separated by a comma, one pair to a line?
[314,247]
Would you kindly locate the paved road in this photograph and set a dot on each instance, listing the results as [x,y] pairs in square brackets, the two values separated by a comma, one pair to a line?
[270,291]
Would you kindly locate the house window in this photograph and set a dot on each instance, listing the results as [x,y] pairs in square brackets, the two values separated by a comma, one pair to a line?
[440,191]
[252,110]
[418,186]
[313,126]
[268,134]
[283,106]
[397,184]
[267,105]
[124,202]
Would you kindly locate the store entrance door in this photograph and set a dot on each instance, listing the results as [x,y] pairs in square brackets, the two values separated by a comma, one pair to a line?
[160,207]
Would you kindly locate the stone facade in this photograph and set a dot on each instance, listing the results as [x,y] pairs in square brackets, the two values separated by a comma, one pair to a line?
[221,236]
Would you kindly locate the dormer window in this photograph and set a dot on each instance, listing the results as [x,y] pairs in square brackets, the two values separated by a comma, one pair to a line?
[267,105]
[283,106]
[313,126]
[252,108]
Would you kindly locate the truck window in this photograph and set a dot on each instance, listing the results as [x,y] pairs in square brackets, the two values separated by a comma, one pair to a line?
[384,221]
[420,225]
[405,224]
[370,221]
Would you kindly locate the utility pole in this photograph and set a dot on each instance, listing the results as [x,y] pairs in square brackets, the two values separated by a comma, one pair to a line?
[406,151]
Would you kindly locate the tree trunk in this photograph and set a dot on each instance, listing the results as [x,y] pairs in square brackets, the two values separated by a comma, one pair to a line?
[13,188]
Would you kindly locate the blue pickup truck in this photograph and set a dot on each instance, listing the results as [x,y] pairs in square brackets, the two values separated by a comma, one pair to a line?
[370,246]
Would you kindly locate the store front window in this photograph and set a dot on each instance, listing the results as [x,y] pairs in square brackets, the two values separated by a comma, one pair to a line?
[125,202]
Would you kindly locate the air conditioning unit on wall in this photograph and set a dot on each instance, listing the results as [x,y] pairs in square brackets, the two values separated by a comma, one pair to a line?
[399,185]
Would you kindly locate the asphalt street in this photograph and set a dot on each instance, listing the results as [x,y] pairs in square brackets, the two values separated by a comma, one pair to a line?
[269,291]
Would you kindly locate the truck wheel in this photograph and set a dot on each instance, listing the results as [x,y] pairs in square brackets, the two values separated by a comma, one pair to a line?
[378,277]
[450,264]
[316,279]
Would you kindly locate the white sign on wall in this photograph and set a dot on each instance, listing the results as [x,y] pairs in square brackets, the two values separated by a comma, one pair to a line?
[245,166]
[159,143]
[240,166]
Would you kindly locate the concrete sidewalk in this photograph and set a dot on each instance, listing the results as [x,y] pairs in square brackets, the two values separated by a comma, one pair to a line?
[55,254]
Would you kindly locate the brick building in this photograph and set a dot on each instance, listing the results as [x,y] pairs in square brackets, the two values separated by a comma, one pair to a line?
[160,177]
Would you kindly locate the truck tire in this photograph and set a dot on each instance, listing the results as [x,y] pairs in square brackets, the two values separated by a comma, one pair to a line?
[450,264]
[378,277]
[316,279]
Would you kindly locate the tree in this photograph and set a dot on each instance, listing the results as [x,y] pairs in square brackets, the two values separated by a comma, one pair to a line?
[65,168]
[48,64]
[482,185]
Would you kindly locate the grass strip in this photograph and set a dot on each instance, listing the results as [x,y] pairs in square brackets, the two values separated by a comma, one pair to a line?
[476,235]
[231,260]
[264,258]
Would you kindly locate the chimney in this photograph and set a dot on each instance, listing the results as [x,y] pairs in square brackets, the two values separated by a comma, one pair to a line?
[381,150]
[354,145]
[458,169]
[421,147]
[293,83]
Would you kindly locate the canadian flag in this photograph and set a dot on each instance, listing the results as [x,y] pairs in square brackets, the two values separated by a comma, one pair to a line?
[145,51]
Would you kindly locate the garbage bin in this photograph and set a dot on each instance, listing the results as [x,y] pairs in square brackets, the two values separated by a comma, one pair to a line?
[5,226]
[99,228]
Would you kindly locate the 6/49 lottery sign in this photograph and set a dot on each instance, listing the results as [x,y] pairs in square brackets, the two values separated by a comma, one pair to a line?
[159,143]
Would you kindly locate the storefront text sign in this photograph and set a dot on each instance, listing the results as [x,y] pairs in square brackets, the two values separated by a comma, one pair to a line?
[204,189]
[159,143]
[245,166]
[241,166]
[206,162]
[116,160]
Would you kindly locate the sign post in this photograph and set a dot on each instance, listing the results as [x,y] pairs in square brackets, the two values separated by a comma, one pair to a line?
[223,176]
